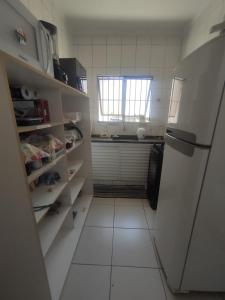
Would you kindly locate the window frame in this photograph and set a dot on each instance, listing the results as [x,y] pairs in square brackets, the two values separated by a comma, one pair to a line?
[124,79]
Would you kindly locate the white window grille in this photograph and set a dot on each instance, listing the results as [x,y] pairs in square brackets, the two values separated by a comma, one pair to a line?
[124,98]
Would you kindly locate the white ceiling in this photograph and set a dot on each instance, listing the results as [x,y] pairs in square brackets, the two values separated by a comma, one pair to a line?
[98,16]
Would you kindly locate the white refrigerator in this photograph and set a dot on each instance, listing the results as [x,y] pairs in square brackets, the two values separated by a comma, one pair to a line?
[190,220]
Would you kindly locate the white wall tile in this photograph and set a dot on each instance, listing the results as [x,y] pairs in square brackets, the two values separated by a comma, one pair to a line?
[114,56]
[129,40]
[132,55]
[172,56]
[83,40]
[167,77]
[99,40]
[99,56]
[113,71]
[157,74]
[157,56]
[158,40]
[142,56]
[85,55]
[128,55]
[75,51]
[143,40]
[128,71]
[142,71]
[156,94]
[114,40]
[174,41]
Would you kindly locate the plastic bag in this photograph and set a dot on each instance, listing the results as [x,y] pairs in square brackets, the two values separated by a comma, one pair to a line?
[32,153]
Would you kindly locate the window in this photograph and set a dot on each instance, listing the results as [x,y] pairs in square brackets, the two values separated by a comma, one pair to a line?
[124,98]
[175,98]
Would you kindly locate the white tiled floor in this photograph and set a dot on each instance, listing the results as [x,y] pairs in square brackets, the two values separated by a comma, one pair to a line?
[95,246]
[130,216]
[133,247]
[115,258]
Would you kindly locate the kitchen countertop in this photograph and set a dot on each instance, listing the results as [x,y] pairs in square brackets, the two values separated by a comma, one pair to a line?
[127,139]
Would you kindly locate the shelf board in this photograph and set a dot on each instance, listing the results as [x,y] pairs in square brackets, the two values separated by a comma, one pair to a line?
[76,166]
[50,226]
[82,206]
[72,121]
[21,129]
[59,257]
[20,72]
[41,196]
[77,144]
[76,188]
[37,173]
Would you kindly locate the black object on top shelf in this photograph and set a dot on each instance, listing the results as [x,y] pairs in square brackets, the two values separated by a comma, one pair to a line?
[77,75]
[154,174]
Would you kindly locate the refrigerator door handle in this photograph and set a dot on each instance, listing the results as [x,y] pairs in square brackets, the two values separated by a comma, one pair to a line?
[180,145]
[182,135]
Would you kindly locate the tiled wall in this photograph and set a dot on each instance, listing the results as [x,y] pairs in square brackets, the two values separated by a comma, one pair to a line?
[45,10]
[197,33]
[130,55]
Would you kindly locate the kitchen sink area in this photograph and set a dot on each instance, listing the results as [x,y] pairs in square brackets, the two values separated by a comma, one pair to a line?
[122,138]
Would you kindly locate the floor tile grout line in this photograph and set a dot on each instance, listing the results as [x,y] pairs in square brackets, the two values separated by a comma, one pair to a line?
[98,226]
[110,280]
[118,266]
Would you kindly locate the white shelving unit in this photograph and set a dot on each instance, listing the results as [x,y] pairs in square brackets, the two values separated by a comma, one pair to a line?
[59,258]
[75,168]
[37,173]
[76,145]
[45,195]
[43,240]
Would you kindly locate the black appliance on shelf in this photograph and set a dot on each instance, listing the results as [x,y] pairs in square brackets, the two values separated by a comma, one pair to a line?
[77,75]
[154,174]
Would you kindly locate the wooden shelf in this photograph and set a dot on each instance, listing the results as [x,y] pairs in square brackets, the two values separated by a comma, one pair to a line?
[50,226]
[76,188]
[59,257]
[77,144]
[37,173]
[76,166]
[72,121]
[41,196]
[21,129]
[57,234]
[19,72]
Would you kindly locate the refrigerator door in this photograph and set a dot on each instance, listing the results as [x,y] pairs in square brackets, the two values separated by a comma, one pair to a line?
[182,174]
[197,89]
[205,267]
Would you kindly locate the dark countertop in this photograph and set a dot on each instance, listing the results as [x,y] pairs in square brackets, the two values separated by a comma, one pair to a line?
[127,139]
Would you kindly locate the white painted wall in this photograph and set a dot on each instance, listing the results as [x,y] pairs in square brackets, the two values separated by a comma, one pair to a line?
[130,55]
[197,32]
[46,10]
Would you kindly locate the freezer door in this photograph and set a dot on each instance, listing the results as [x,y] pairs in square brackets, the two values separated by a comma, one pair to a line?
[181,179]
[205,267]
[197,89]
